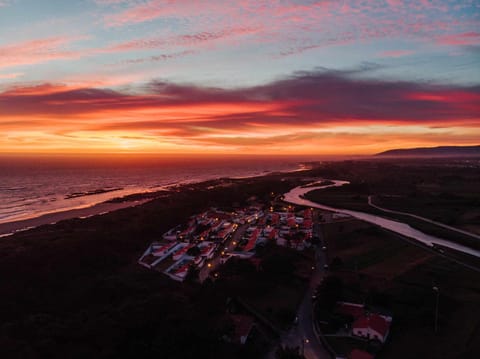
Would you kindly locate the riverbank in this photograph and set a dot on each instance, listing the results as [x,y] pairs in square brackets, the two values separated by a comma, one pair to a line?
[297,196]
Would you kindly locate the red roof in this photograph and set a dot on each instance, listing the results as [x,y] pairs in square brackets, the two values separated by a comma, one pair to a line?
[373,321]
[355,310]
[206,249]
[378,323]
[164,248]
[359,354]
[307,223]
[182,269]
[182,251]
[275,218]
[291,222]
[252,241]
[272,234]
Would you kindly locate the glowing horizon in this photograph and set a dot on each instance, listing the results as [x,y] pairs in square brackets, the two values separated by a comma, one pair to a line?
[287,77]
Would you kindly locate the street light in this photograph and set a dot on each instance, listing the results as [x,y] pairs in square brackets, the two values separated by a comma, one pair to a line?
[304,341]
[437,290]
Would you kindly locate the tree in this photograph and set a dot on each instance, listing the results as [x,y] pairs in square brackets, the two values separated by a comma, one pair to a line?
[329,292]
[192,273]
[194,251]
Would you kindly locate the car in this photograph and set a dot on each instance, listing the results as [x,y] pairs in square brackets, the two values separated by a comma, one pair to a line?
[325,266]
[314,296]
[324,248]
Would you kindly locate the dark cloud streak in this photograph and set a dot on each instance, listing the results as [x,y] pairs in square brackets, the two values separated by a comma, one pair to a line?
[306,98]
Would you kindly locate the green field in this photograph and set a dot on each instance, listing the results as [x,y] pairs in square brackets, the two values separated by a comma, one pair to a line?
[382,269]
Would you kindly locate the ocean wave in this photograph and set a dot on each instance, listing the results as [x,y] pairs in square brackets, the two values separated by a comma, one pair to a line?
[92,192]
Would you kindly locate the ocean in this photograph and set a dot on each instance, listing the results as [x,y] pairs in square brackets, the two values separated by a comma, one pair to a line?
[31,187]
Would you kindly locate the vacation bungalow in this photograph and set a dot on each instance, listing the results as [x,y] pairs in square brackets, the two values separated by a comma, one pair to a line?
[179,270]
[207,249]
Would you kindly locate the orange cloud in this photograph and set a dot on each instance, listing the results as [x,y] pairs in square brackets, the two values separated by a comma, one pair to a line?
[305,113]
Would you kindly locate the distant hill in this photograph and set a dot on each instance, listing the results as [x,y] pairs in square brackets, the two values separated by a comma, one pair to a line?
[442,151]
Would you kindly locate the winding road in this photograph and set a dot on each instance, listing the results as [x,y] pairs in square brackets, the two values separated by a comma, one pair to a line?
[386,210]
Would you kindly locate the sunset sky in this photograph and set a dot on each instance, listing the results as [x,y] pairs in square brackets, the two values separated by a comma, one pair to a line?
[238,77]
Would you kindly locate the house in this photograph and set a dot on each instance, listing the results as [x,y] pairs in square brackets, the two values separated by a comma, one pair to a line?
[207,249]
[350,309]
[275,218]
[273,234]
[307,213]
[161,250]
[371,326]
[359,354]
[291,222]
[252,240]
[307,223]
[179,270]
[181,251]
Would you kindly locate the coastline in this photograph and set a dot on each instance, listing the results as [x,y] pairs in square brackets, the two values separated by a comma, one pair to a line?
[116,203]
[10,228]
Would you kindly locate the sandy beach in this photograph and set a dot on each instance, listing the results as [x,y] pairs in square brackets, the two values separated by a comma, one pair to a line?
[50,218]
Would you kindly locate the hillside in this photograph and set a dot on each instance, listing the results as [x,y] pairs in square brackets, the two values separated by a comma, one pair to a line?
[442,151]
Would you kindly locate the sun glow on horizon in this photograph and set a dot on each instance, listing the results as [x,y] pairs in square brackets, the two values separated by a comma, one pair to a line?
[293,77]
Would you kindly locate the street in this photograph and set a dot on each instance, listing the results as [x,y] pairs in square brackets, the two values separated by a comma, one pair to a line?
[302,334]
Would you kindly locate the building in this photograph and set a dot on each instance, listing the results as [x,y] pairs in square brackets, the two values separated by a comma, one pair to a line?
[350,309]
[371,326]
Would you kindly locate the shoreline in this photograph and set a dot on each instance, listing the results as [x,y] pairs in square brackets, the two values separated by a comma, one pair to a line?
[116,203]
[10,228]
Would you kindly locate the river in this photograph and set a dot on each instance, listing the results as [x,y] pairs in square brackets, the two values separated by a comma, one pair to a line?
[295,197]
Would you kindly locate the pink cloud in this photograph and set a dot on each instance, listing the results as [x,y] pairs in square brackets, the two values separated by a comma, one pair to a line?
[395,53]
[37,51]
[181,40]
[461,39]
[140,13]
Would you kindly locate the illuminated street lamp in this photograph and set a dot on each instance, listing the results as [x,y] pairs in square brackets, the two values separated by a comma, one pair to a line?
[304,341]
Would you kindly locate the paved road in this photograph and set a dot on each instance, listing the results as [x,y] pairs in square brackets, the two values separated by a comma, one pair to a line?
[295,196]
[227,247]
[302,335]
[473,235]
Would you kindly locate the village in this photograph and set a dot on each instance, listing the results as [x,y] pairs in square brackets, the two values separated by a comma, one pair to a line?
[194,251]
[212,237]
